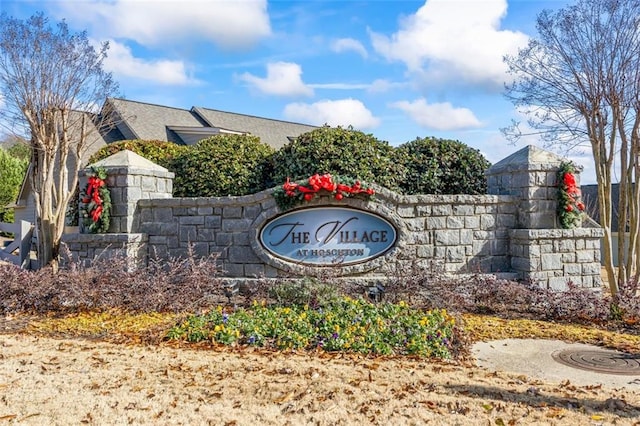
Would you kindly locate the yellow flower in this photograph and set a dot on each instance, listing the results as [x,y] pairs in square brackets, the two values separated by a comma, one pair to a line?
[402,303]
[337,328]
[217,328]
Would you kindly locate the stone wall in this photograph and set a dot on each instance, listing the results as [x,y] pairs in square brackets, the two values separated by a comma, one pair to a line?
[556,256]
[511,231]
[86,248]
[464,233]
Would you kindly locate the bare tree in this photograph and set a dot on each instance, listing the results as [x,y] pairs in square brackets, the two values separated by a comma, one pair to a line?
[49,78]
[579,83]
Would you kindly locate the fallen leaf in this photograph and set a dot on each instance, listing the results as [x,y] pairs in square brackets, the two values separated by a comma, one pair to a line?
[555,413]
[284,398]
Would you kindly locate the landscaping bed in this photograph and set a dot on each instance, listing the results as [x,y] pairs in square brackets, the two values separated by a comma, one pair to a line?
[100,346]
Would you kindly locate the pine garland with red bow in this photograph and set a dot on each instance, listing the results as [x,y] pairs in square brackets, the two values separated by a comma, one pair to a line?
[96,202]
[294,193]
[570,205]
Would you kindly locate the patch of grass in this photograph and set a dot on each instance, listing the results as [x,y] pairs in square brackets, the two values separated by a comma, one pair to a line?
[111,324]
[483,327]
[346,324]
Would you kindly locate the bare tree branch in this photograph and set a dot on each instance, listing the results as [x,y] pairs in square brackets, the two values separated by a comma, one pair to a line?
[52,80]
[579,81]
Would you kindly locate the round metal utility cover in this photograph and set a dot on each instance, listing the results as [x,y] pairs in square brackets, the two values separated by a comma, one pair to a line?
[600,361]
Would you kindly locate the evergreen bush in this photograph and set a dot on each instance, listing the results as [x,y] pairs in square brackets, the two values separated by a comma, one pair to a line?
[441,166]
[338,151]
[12,172]
[221,165]
[159,152]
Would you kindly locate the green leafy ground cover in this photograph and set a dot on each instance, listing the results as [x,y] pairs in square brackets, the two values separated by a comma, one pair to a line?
[346,324]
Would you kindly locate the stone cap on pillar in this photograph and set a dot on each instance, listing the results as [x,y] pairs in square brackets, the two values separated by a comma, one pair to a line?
[528,158]
[128,159]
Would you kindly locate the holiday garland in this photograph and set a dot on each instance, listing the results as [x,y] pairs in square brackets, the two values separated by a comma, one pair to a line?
[95,208]
[570,206]
[294,193]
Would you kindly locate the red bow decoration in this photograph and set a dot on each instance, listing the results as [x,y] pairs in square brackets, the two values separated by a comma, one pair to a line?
[326,182]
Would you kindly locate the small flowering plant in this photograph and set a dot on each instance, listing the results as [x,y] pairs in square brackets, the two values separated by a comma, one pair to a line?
[95,208]
[570,205]
[294,193]
[351,325]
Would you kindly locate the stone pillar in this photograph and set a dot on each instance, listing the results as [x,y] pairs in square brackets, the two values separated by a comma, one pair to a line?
[530,175]
[130,178]
[540,250]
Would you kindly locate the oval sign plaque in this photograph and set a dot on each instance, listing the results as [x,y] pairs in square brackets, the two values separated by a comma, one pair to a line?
[328,236]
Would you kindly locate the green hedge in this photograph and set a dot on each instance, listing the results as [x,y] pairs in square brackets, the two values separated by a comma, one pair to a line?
[159,152]
[240,164]
[222,165]
[442,166]
[338,151]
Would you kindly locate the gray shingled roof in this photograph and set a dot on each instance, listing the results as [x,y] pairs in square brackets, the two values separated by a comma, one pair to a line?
[139,120]
[271,132]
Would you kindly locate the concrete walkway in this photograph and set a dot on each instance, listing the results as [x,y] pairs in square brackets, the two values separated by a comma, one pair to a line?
[533,357]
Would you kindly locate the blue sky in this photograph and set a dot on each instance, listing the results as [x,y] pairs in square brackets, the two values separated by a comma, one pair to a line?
[396,69]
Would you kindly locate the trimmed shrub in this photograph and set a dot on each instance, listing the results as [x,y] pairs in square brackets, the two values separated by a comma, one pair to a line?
[159,152]
[337,151]
[222,165]
[442,166]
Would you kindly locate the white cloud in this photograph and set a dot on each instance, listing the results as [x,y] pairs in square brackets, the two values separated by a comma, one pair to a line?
[283,79]
[340,86]
[438,116]
[349,44]
[229,24]
[342,112]
[448,40]
[381,85]
[122,63]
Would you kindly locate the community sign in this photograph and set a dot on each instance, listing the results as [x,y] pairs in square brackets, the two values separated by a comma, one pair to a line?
[328,236]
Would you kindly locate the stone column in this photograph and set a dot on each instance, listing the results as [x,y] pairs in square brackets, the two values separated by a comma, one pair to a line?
[130,178]
[530,175]
[540,250]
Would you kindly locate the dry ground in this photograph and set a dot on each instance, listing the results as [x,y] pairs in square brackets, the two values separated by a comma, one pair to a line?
[49,381]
